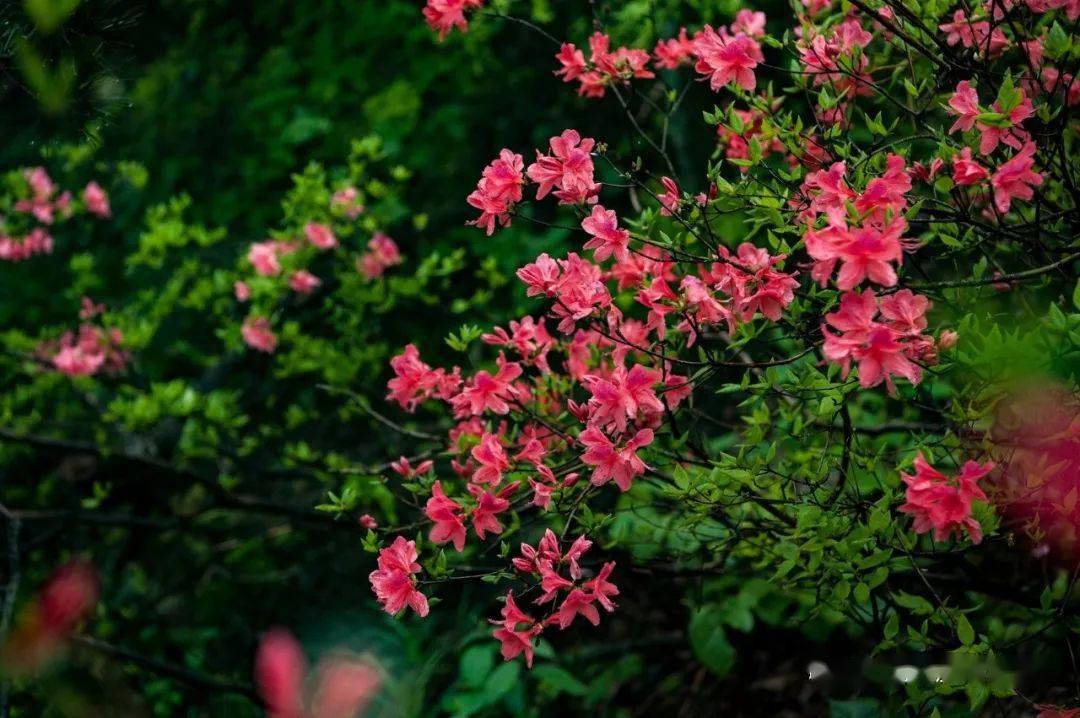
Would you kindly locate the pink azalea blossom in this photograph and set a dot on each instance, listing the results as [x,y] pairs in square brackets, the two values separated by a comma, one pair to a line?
[622,396]
[394,581]
[304,282]
[725,58]
[942,504]
[568,170]
[491,457]
[18,249]
[444,15]
[264,257]
[320,235]
[258,334]
[488,506]
[382,254]
[346,202]
[669,199]
[516,631]
[618,464]
[577,603]
[485,392]
[863,253]
[967,171]
[414,381]
[96,200]
[498,190]
[445,514]
[882,349]
[607,239]
[1015,179]
[242,291]
[673,52]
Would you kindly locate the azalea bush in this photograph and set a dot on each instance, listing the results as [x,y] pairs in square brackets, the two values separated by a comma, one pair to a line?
[787,423]
[827,385]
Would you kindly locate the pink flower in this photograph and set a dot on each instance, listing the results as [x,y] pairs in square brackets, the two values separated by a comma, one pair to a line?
[42,190]
[568,169]
[541,494]
[967,171]
[974,34]
[242,291]
[925,173]
[68,597]
[393,581]
[516,631]
[17,249]
[602,589]
[965,105]
[948,339]
[488,393]
[577,603]
[404,468]
[445,513]
[346,201]
[1013,136]
[498,190]
[864,252]
[669,198]
[724,58]
[96,200]
[1015,179]
[382,254]
[444,15]
[89,351]
[414,381]
[673,52]
[622,396]
[749,22]
[304,282]
[620,465]
[320,235]
[488,507]
[258,334]
[882,349]
[571,61]
[942,504]
[279,674]
[753,283]
[343,685]
[828,193]
[264,257]
[607,239]
[490,455]
[368,521]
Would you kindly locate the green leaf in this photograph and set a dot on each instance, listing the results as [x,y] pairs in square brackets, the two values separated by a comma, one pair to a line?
[560,680]
[1076,295]
[964,631]
[476,664]
[709,641]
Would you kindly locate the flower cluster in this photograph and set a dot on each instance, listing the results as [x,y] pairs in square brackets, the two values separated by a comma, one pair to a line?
[580,594]
[288,261]
[444,15]
[941,504]
[394,580]
[90,350]
[604,68]
[341,686]
[37,206]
